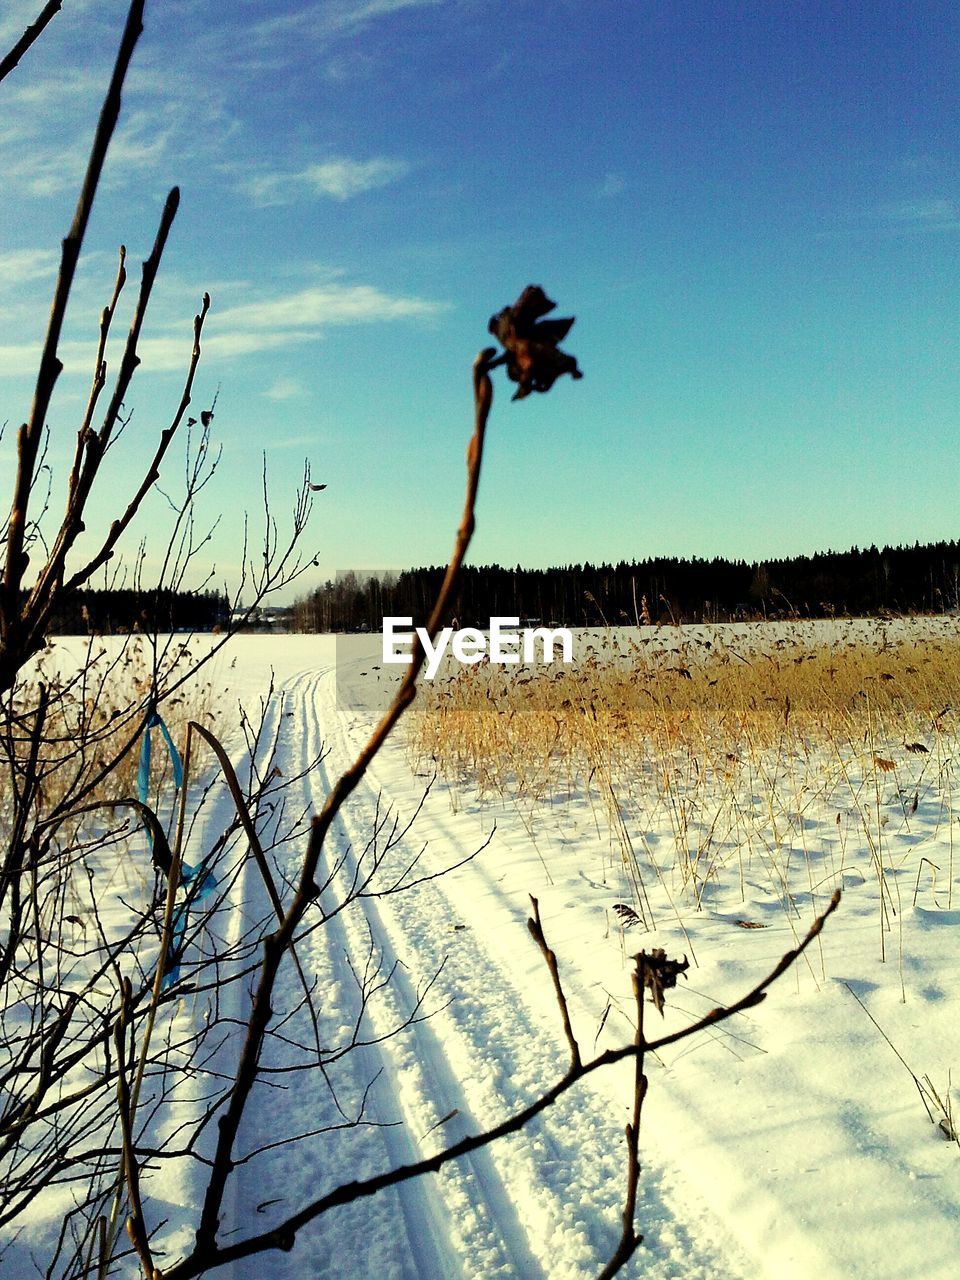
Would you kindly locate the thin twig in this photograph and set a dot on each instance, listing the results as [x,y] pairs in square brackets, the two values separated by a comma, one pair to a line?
[630,1240]
[550,958]
[136,1228]
[903,1061]
[29,37]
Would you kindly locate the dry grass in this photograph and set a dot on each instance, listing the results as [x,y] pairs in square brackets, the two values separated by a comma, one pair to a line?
[793,747]
[75,731]
[97,695]
[708,695]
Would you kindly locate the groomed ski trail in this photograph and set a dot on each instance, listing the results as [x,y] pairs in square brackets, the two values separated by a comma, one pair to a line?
[543,1204]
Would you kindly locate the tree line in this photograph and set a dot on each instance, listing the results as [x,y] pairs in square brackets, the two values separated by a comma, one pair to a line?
[859,582]
[112,610]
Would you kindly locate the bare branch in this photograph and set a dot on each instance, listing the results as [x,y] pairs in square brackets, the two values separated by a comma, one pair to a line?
[136,1228]
[630,1240]
[28,439]
[536,930]
[119,526]
[29,37]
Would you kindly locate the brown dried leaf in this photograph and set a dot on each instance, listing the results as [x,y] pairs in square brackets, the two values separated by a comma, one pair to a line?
[534,359]
[660,973]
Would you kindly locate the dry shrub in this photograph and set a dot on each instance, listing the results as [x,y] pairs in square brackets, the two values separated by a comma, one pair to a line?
[98,692]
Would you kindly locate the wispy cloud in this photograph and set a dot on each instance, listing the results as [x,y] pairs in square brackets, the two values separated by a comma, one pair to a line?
[929,214]
[612,185]
[46,134]
[48,92]
[284,389]
[912,217]
[19,14]
[329,304]
[166,353]
[45,166]
[339,177]
[314,31]
[253,327]
[37,159]
[44,138]
[22,266]
[327,18]
[349,65]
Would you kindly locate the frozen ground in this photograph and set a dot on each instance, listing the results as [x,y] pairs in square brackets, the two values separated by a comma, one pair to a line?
[791,1142]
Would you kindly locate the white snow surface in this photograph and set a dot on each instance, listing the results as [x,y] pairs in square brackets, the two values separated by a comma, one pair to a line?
[789,1142]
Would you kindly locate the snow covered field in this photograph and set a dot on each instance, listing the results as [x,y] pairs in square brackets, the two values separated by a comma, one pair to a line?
[788,1142]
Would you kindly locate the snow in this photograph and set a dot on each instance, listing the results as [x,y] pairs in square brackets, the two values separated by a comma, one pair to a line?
[788,1142]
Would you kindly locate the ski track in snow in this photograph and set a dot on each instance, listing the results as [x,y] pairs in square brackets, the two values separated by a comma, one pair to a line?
[543,1204]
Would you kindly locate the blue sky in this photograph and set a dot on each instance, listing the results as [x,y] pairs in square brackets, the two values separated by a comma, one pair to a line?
[753,211]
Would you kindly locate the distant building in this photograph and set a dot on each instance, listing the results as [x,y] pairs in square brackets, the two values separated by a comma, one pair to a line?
[264,618]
